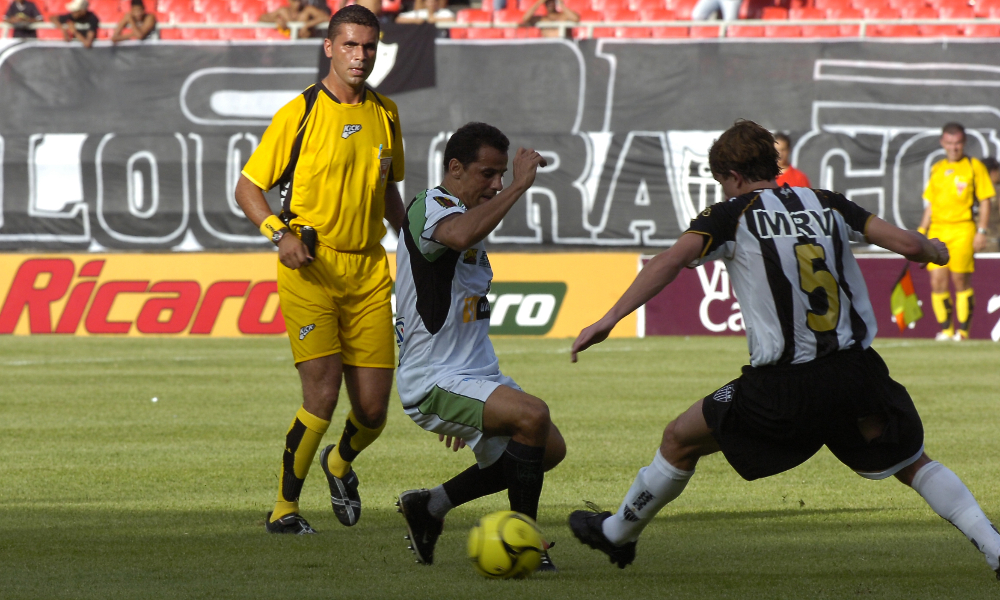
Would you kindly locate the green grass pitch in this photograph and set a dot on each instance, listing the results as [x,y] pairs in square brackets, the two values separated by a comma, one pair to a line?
[106,494]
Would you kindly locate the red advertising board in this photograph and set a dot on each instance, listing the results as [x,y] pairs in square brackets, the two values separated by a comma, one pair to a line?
[701,301]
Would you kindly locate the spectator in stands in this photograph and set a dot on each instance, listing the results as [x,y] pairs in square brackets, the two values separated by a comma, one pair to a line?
[555,12]
[297,11]
[79,24]
[789,174]
[140,24]
[730,9]
[993,168]
[432,11]
[321,5]
[21,14]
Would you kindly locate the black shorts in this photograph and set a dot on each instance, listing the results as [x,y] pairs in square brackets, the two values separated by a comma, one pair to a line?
[774,418]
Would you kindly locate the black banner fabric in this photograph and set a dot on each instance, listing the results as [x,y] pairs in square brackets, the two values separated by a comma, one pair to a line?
[409,49]
[140,146]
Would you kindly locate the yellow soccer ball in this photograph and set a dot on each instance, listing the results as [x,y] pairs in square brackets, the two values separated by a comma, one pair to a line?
[506,545]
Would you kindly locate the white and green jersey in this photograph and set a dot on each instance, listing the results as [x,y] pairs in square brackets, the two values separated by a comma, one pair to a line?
[442,314]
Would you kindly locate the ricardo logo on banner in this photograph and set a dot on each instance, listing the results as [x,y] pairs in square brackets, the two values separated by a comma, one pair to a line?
[140,295]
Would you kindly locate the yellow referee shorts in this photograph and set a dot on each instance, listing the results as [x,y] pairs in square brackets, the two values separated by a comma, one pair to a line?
[341,302]
[958,238]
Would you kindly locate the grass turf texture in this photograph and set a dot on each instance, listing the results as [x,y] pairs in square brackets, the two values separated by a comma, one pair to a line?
[109,495]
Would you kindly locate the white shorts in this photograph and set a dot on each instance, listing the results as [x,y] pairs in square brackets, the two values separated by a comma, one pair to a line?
[455,407]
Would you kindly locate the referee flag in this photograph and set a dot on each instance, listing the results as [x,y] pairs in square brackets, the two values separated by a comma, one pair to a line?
[904,302]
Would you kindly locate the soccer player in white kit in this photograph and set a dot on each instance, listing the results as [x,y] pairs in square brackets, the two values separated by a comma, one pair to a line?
[449,378]
[813,378]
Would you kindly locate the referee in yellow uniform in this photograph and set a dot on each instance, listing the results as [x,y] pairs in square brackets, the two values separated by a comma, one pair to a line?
[956,183]
[336,152]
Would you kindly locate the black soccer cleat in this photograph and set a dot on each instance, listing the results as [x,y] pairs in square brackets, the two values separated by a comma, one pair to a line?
[423,528]
[343,492]
[586,526]
[291,523]
[547,565]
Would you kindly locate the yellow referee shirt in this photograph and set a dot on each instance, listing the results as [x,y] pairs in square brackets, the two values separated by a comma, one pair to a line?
[333,162]
[950,189]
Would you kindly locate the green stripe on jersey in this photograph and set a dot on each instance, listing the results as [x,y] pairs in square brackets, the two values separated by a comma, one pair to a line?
[453,408]
[417,216]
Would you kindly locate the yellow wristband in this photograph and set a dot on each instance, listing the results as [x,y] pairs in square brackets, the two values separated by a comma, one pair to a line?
[270,226]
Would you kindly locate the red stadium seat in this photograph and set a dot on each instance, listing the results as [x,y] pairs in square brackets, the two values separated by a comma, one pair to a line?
[392,7]
[806,14]
[782,31]
[577,5]
[471,15]
[458,33]
[602,5]
[237,34]
[918,12]
[981,30]
[620,14]
[893,31]
[994,12]
[269,33]
[881,12]
[682,8]
[199,34]
[773,13]
[828,5]
[744,31]
[957,12]
[669,32]
[657,14]
[643,5]
[983,7]
[170,34]
[590,15]
[704,31]
[603,32]
[50,34]
[508,15]
[864,5]
[821,31]
[487,6]
[220,14]
[633,32]
[846,13]
[485,34]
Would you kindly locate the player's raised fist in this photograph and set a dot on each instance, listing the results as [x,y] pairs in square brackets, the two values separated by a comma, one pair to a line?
[943,256]
[526,163]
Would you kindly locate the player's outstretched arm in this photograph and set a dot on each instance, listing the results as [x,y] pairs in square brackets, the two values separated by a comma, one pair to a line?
[914,246]
[655,276]
[464,231]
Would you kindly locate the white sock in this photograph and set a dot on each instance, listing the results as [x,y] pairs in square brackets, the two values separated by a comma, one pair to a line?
[439,503]
[653,488]
[949,497]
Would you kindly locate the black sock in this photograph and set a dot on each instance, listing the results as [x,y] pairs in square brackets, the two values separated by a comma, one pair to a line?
[475,483]
[522,466]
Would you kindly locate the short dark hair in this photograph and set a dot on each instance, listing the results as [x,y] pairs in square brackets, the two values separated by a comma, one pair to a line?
[354,14]
[746,148]
[138,3]
[783,138]
[464,144]
[953,127]
[991,164]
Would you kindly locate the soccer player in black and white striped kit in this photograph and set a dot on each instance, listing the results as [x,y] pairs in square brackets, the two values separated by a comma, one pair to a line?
[813,377]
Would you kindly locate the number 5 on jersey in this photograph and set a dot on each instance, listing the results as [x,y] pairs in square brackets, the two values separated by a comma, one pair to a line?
[814,275]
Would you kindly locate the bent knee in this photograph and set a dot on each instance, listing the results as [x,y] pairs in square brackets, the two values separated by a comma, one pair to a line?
[534,417]
[371,417]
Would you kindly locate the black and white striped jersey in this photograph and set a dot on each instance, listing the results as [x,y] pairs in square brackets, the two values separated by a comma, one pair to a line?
[799,287]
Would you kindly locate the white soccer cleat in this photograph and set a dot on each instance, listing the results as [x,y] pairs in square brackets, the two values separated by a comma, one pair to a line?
[960,336]
[943,337]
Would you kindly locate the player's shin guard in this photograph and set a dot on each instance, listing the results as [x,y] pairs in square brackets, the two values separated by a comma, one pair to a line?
[948,496]
[941,302]
[653,488]
[964,303]
[356,437]
[524,475]
[301,442]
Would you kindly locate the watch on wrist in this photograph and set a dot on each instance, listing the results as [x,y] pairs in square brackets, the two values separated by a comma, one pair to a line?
[982,231]
[277,235]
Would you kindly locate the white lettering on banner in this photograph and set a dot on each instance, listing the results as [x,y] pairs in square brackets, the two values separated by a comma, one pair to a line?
[500,306]
[535,310]
[718,288]
[992,307]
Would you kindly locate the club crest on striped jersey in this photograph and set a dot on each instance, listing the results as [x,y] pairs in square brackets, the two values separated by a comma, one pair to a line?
[800,223]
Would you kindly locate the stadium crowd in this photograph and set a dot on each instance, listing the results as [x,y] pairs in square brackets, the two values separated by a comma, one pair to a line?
[493,19]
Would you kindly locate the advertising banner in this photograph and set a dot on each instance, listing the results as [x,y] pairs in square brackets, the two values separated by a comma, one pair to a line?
[141,148]
[235,294]
[701,301]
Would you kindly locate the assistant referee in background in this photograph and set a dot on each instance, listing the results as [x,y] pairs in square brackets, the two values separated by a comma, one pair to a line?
[336,152]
